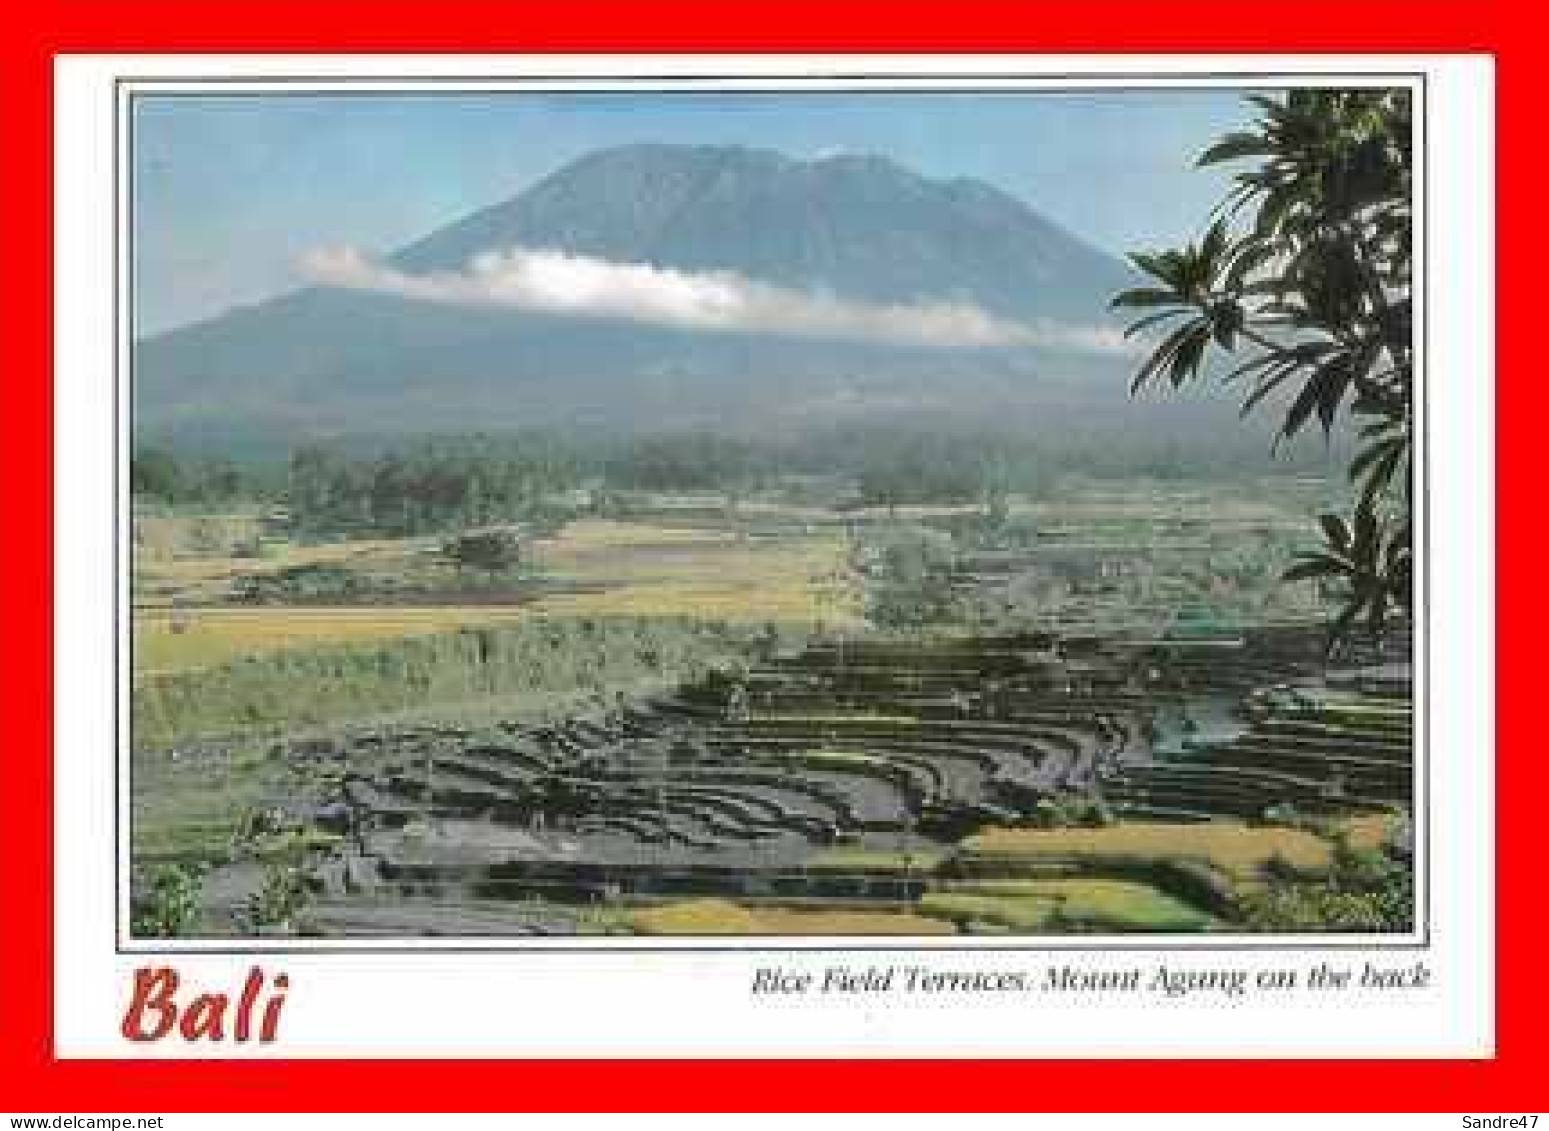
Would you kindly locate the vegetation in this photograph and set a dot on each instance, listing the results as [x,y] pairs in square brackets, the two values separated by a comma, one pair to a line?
[434,487]
[282,896]
[168,904]
[1016,911]
[1244,852]
[495,552]
[1078,903]
[310,581]
[164,475]
[297,689]
[696,461]
[405,486]
[1066,810]
[923,469]
[212,608]
[723,917]
[910,582]
[169,642]
[1366,890]
[643,568]
[1304,283]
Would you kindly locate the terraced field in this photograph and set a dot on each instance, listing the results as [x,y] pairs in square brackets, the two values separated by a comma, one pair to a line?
[1015,783]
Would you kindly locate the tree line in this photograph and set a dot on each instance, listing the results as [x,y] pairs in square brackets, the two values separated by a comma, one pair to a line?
[417,486]
[424,490]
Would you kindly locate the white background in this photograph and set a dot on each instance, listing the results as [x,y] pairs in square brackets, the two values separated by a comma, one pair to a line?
[533,999]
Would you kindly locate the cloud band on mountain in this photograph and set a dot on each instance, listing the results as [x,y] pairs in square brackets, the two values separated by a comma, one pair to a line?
[553,282]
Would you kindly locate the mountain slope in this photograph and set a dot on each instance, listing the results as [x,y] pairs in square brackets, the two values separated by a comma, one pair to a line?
[862,228]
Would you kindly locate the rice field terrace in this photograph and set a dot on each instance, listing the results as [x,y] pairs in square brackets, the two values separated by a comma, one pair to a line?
[851,785]
[688,717]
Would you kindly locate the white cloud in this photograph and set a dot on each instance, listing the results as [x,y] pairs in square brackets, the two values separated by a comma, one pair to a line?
[560,283]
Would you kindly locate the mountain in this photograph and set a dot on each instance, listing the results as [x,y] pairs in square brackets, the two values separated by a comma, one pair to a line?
[855,229]
[860,226]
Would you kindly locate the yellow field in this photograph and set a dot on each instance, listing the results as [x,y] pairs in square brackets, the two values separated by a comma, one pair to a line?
[723,917]
[656,570]
[648,570]
[1240,851]
[221,567]
[216,636]
[1019,905]
[585,535]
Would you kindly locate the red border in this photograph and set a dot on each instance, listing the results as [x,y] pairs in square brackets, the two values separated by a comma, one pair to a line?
[37,31]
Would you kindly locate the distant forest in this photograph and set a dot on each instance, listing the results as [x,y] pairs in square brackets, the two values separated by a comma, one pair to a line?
[417,485]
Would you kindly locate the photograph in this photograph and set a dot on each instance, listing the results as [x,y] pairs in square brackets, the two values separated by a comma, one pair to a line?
[626,511]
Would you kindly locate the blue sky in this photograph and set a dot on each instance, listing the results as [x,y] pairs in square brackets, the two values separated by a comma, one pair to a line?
[230,192]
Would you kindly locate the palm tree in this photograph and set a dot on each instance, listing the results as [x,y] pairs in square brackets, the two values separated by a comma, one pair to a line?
[1371,563]
[1303,280]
